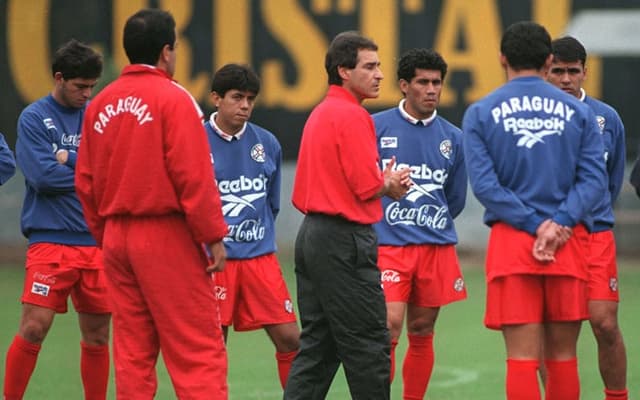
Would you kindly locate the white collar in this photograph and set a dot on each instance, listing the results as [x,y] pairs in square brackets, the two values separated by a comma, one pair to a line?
[413,120]
[583,94]
[223,134]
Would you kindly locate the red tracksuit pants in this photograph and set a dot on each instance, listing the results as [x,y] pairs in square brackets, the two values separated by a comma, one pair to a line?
[162,299]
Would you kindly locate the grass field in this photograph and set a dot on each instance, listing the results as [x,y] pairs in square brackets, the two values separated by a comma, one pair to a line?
[469,358]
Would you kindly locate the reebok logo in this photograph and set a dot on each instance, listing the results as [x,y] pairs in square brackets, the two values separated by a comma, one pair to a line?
[420,172]
[249,228]
[233,205]
[532,130]
[529,139]
[418,191]
[243,184]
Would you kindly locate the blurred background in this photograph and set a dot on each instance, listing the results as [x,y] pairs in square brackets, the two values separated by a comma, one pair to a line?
[285,41]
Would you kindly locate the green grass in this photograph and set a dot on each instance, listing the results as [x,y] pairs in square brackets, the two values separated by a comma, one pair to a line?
[469,358]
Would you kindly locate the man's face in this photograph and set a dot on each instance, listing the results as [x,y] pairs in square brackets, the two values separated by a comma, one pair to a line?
[234,109]
[73,92]
[363,81]
[567,76]
[422,94]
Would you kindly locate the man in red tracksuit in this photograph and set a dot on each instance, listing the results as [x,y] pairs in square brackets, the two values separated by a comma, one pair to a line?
[338,186]
[145,181]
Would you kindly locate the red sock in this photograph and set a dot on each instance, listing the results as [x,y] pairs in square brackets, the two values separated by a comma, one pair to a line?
[522,380]
[284,365]
[94,369]
[20,363]
[394,343]
[562,380]
[616,394]
[417,366]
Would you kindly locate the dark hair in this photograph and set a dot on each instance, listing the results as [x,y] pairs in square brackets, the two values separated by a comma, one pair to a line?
[568,49]
[343,52]
[75,59]
[526,45]
[235,76]
[422,59]
[146,33]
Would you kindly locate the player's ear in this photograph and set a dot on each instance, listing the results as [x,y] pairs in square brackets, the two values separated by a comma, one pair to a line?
[165,53]
[215,99]
[58,77]
[548,62]
[502,59]
[403,85]
[344,72]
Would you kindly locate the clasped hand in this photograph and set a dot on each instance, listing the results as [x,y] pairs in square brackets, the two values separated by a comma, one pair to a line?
[550,237]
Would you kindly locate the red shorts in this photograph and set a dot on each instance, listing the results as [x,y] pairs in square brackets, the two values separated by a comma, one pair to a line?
[510,251]
[423,275]
[528,299]
[603,272]
[252,293]
[55,271]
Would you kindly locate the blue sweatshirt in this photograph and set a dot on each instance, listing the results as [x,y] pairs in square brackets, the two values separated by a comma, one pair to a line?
[532,153]
[247,169]
[7,161]
[613,138]
[434,154]
[51,211]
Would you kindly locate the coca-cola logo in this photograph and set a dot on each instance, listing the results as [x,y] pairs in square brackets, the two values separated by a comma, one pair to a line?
[249,230]
[70,140]
[389,275]
[221,293]
[43,278]
[427,215]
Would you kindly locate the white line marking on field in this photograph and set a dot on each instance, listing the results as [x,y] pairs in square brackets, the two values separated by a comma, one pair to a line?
[452,376]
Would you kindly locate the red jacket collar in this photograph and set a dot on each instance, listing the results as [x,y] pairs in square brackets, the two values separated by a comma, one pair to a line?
[144,68]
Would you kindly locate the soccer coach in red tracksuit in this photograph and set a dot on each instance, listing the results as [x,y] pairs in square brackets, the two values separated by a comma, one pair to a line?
[338,185]
[145,181]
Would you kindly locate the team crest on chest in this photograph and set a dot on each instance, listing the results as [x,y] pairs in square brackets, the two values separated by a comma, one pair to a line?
[446,149]
[257,153]
[601,122]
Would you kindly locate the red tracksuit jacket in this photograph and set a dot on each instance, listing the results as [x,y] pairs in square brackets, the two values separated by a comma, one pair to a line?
[144,152]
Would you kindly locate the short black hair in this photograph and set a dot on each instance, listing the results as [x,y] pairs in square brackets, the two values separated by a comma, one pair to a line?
[146,33]
[568,49]
[422,59]
[235,76]
[343,52]
[75,59]
[526,45]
